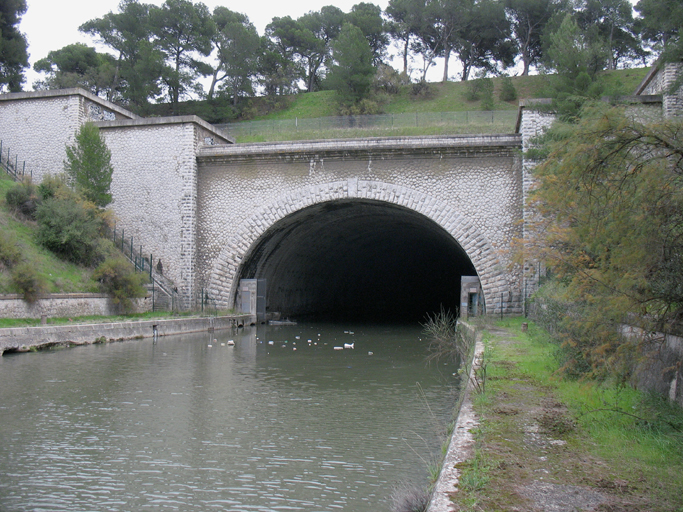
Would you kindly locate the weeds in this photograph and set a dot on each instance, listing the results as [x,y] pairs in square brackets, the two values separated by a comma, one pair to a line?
[475,474]
[409,498]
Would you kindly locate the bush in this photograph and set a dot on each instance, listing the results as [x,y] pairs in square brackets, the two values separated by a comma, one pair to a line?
[118,278]
[23,198]
[10,253]
[422,88]
[363,107]
[69,229]
[388,80]
[53,186]
[479,89]
[28,281]
[507,90]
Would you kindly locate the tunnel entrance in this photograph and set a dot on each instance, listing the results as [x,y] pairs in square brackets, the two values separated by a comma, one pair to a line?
[358,260]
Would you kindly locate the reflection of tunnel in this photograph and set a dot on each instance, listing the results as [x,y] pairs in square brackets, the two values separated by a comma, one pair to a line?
[358,260]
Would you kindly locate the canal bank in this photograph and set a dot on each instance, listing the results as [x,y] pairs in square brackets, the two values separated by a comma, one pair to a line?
[542,442]
[461,444]
[22,339]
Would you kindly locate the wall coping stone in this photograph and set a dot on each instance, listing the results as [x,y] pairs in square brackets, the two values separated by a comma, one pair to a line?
[75,91]
[364,145]
[169,120]
[80,295]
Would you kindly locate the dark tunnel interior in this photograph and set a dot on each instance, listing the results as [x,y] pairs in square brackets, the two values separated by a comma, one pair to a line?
[358,260]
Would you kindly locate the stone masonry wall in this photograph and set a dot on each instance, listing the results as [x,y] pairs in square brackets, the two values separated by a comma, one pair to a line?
[154,161]
[154,188]
[534,120]
[660,82]
[38,126]
[470,186]
[65,305]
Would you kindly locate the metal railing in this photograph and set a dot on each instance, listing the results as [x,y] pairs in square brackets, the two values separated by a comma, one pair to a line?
[16,169]
[481,121]
[206,303]
[161,285]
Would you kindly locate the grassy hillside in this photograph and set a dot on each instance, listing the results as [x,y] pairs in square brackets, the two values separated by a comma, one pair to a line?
[448,97]
[60,276]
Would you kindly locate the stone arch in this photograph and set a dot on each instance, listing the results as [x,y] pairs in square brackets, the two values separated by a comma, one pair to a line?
[227,266]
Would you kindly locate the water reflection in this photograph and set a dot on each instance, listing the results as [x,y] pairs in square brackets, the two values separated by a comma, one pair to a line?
[258,426]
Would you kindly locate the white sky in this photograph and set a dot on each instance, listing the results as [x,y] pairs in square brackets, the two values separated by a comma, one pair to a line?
[50,24]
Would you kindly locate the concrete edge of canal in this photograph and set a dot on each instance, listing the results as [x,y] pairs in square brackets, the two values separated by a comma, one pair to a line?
[461,445]
[23,339]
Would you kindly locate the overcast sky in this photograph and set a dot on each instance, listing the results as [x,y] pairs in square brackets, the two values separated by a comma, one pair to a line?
[50,24]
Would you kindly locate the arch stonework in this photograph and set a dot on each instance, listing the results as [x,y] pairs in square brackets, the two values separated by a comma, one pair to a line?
[227,266]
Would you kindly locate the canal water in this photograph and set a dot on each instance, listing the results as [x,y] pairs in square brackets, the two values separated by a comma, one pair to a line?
[272,423]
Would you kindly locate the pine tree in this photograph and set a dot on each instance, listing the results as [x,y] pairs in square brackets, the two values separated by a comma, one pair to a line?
[88,165]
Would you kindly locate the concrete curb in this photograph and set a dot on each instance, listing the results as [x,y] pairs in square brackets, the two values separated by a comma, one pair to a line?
[461,446]
[24,338]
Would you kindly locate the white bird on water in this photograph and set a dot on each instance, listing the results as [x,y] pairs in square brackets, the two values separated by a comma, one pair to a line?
[350,345]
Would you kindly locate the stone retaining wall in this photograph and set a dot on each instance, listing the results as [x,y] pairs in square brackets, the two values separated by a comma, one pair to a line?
[461,445]
[66,305]
[25,338]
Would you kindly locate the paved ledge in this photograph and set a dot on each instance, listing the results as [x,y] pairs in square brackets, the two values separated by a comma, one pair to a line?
[461,446]
[24,338]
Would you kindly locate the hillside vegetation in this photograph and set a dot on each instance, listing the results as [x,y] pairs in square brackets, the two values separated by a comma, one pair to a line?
[59,276]
[437,97]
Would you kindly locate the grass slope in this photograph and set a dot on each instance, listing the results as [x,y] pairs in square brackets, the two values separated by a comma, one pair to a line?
[60,276]
[448,97]
[548,443]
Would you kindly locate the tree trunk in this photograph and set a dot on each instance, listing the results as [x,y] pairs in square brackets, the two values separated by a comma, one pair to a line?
[213,84]
[447,57]
[526,60]
[405,56]
[465,71]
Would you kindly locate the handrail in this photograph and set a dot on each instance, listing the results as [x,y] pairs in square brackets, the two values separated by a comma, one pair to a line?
[143,263]
[12,168]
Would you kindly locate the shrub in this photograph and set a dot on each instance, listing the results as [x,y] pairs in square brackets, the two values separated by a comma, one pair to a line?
[10,253]
[23,198]
[69,229]
[363,107]
[421,88]
[118,278]
[53,186]
[479,89]
[507,90]
[388,80]
[28,281]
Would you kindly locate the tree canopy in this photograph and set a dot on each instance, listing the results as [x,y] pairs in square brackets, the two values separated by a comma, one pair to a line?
[610,229]
[13,45]
[162,52]
[88,165]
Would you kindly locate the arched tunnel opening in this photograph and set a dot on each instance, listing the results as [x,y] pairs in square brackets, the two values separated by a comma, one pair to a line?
[358,260]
